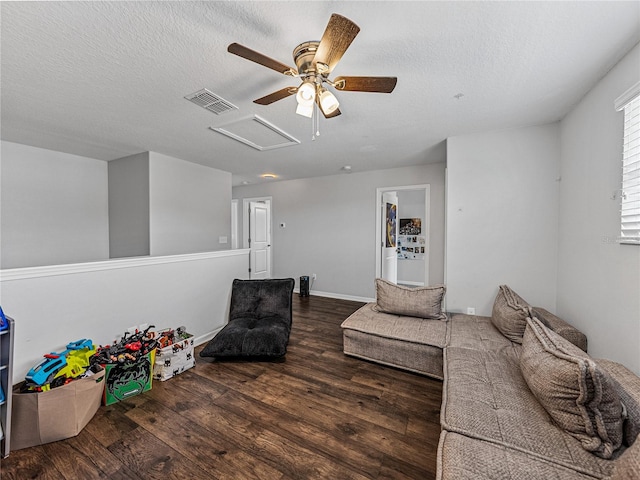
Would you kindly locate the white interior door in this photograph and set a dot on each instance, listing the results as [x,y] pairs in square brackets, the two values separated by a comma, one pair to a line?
[259,240]
[389,213]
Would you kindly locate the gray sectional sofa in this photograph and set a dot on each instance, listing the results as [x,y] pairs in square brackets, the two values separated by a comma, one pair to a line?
[494,427]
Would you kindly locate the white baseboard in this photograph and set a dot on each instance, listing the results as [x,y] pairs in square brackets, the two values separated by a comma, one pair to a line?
[206,337]
[338,296]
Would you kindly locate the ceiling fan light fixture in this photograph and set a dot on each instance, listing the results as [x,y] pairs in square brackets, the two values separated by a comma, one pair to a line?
[328,101]
[305,110]
[306,93]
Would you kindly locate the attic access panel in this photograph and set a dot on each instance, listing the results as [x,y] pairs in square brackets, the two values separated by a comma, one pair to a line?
[258,133]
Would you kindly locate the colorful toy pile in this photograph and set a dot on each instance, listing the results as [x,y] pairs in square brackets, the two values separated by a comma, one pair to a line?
[58,369]
[173,337]
[130,348]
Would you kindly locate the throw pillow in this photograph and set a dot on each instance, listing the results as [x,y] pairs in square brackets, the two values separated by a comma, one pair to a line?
[510,314]
[576,393]
[422,302]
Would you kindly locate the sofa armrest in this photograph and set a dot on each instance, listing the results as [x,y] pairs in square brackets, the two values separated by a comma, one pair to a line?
[561,327]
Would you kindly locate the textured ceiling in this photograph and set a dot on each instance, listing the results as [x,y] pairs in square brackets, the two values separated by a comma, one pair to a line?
[108,79]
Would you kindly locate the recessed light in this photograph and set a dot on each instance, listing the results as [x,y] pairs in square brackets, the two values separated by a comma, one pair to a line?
[346,168]
[244,182]
[269,175]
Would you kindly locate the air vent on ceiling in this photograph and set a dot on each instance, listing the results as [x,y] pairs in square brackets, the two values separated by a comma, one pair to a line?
[211,101]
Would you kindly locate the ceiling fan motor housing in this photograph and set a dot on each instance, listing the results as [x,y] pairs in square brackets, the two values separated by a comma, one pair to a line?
[303,55]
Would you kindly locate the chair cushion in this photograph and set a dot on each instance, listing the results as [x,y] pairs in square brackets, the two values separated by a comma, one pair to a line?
[250,337]
[577,393]
[261,298]
[510,314]
[422,302]
[260,318]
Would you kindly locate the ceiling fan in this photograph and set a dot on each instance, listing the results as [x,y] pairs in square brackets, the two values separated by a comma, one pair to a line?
[315,61]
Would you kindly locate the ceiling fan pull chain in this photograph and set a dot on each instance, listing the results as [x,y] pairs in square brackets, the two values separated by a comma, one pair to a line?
[315,122]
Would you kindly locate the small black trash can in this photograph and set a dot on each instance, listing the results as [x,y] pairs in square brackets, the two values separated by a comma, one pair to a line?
[304,286]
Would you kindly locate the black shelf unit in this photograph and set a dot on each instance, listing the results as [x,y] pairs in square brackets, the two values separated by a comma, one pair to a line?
[6,381]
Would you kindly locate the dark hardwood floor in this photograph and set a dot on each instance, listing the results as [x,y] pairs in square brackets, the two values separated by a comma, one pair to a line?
[318,414]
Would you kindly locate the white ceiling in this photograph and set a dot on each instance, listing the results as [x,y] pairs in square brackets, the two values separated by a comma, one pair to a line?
[107,79]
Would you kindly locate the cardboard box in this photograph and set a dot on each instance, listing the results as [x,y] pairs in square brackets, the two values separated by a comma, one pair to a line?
[174,359]
[128,379]
[57,414]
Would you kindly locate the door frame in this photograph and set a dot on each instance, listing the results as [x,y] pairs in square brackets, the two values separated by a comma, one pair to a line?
[245,224]
[388,255]
[378,236]
[234,224]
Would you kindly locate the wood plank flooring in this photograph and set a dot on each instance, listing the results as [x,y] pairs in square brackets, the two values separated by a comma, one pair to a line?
[318,414]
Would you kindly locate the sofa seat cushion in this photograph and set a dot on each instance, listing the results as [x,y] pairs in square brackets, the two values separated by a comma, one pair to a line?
[477,333]
[397,327]
[486,397]
[466,458]
[410,343]
[627,466]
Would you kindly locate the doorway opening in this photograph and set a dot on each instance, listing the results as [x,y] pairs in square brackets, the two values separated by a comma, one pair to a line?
[256,235]
[407,261]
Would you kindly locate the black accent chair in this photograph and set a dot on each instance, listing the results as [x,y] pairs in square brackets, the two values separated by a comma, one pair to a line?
[259,321]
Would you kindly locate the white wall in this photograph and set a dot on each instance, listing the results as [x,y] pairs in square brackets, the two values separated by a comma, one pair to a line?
[189,206]
[502,216]
[53,306]
[598,279]
[54,207]
[330,226]
[129,206]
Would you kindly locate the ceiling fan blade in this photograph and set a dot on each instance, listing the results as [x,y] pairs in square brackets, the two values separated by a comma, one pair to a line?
[337,37]
[275,96]
[257,57]
[366,84]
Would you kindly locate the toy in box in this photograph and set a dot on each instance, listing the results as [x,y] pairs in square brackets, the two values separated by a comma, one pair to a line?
[174,354]
[59,369]
[127,379]
[47,416]
[128,364]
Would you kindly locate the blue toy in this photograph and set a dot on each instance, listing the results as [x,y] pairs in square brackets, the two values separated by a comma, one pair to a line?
[61,366]
[4,324]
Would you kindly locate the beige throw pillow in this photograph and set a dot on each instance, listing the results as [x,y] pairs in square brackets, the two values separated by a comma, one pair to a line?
[576,393]
[422,302]
[510,314]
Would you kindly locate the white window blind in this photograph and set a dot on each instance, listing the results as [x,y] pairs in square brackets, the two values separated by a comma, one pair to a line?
[630,195]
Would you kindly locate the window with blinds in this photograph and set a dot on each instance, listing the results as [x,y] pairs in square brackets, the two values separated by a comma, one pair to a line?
[630,192]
